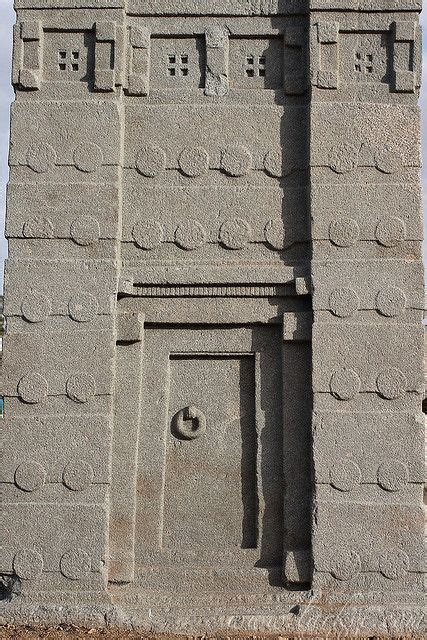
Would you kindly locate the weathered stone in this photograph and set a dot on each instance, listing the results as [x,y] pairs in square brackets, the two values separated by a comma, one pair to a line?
[212,368]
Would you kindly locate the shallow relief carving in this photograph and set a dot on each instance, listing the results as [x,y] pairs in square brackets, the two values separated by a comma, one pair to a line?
[345,56]
[161,279]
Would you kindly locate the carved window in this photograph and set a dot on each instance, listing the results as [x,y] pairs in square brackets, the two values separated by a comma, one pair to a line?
[363,62]
[178,65]
[69,57]
[256,63]
[255,66]
[68,60]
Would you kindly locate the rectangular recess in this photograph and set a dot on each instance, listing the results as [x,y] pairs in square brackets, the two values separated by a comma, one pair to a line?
[210,492]
[177,63]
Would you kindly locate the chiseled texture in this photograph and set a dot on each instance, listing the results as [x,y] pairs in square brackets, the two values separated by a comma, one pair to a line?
[212,368]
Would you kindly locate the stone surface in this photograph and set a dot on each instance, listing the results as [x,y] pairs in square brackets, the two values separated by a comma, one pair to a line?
[212,368]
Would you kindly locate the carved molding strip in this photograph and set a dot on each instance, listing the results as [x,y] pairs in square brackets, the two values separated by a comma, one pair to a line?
[139,61]
[105,50]
[406,54]
[324,44]
[211,291]
[217,51]
[27,37]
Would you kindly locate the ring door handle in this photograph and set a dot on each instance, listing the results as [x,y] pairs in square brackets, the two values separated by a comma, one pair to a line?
[189,423]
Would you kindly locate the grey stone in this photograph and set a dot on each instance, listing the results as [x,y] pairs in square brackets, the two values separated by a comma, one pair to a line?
[373,461]
[361,291]
[212,369]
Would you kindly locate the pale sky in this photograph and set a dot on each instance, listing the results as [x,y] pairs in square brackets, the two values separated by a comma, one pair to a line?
[7,18]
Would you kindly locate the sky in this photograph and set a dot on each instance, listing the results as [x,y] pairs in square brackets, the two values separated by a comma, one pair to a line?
[7,19]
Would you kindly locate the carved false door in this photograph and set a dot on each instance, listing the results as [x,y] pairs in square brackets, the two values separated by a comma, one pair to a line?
[209,481]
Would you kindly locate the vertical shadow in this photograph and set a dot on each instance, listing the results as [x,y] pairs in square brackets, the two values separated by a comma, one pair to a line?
[296,406]
[249,453]
[266,342]
[89,77]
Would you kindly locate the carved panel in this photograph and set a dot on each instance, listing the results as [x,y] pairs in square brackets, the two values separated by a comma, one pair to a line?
[105,55]
[211,458]
[406,56]
[373,54]
[178,63]
[28,54]
[139,61]
[325,52]
[217,61]
[69,56]
[256,63]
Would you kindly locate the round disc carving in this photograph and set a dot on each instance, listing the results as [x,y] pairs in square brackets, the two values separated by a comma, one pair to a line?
[343,158]
[148,235]
[391,384]
[190,235]
[189,423]
[88,157]
[390,232]
[150,161]
[194,161]
[235,234]
[394,565]
[83,307]
[392,475]
[41,157]
[390,301]
[27,564]
[38,227]
[77,475]
[274,164]
[345,384]
[344,232]
[274,233]
[236,161]
[30,476]
[85,230]
[387,161]
[344,302]
[32,388]
[35,307]
[75,564]
[81,387]
[346,565]
[345,476]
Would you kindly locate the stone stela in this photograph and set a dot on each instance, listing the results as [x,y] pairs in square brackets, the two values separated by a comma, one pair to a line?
[212,366]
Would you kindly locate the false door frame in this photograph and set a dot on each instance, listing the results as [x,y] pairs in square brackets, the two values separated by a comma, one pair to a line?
[134,317]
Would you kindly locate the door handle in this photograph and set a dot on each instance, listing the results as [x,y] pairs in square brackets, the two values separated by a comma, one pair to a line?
[189,423]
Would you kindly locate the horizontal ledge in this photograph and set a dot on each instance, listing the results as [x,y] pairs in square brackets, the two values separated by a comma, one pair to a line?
[210,291]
